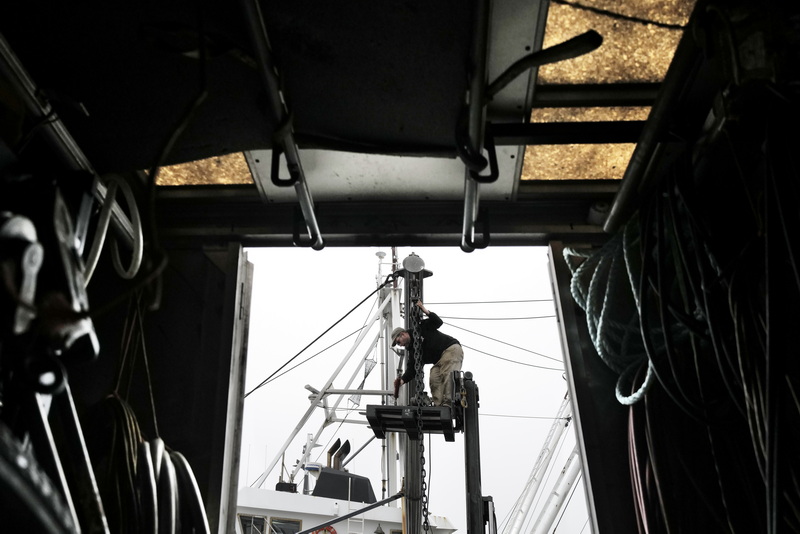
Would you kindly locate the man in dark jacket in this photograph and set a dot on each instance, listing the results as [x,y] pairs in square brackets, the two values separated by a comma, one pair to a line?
[443,351]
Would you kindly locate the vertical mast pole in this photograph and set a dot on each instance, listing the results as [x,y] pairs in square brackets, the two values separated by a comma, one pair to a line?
[413,273]
[472,458]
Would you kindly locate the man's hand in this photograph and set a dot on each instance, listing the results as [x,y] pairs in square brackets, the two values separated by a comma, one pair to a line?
[422,307]
[397,383]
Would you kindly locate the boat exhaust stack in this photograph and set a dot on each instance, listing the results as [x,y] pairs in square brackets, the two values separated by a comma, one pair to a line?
[339,457]
[332,450]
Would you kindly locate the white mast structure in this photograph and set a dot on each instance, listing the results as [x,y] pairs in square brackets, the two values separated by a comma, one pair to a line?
[522,507]
[561,489]
[387,315]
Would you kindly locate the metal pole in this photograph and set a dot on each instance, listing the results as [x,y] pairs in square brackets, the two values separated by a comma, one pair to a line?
[352,514]
[559,494]
[413,274]
[560,423]
[472,457]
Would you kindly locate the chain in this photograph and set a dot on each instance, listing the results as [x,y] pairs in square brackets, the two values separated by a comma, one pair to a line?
[421,441]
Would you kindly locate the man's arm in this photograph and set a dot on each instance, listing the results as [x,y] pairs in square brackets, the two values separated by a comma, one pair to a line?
[433,321]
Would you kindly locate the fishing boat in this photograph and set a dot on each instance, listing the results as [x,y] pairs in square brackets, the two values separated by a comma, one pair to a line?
[335,501]
[332,499]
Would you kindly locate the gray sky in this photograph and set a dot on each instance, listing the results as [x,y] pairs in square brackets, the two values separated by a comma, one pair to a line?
[299,293]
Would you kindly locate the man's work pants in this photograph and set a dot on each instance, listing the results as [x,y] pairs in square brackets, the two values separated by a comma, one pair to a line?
[441,374]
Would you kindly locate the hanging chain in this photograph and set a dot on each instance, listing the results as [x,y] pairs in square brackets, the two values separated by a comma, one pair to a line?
[417,315]
[420,393]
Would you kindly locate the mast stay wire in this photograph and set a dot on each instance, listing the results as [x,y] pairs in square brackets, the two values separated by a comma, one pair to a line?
[490,302]
[505,343]
[351,334]
[513,361]
[389,278]
[499,318]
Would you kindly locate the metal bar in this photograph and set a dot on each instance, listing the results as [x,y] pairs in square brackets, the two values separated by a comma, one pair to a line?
[555,502]
[339,420]
[472,458]
[359,392]
[359,449]
[562,133]
[476,116]
[353,513]
[44,445]
[258,34]
[471,201]
[89,505]
[522,509]
[635,182]
[56,134]
[595,95]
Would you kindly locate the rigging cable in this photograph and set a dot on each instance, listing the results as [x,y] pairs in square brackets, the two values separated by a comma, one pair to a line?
[351,334]
[490,302]
[512,361]
[264,382]
[498,318]
[505,343]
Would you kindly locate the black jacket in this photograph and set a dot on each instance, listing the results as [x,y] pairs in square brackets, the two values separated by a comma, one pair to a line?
[434,344]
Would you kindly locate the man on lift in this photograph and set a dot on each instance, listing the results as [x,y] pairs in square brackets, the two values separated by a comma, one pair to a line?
[443,351]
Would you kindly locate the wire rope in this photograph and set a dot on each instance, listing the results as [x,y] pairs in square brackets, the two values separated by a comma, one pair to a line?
[264,382]
[351,334]
[513,361]
[505,343]
[498,318]
[489,302]
[524,416]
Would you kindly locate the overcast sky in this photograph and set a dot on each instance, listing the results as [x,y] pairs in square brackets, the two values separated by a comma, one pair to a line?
[512,349]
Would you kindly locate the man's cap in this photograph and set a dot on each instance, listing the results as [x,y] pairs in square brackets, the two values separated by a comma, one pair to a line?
[396,333]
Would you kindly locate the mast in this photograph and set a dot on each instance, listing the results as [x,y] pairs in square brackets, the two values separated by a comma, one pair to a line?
[387,314]
[522,509]
[413,273]
[561,489]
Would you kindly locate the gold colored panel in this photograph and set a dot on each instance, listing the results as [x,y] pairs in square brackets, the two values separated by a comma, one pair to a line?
[222,170]
[544,115]
[580,162]
[576,162]
[633,49]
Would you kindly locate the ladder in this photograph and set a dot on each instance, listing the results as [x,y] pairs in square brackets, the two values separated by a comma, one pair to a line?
[355,525]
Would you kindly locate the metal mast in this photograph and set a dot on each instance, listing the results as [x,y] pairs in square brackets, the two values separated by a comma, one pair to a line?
[560,423]
[413,273]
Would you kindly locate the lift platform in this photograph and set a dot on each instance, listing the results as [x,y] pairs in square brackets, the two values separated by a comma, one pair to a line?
[435,420]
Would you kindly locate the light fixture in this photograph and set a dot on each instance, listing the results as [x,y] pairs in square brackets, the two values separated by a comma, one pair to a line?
[379,530]
[413,263]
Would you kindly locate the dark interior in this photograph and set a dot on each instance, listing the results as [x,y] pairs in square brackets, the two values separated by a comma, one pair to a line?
[695,247]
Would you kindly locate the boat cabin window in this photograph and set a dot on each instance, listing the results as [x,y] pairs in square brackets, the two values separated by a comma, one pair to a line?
[253,524]
[285,526]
